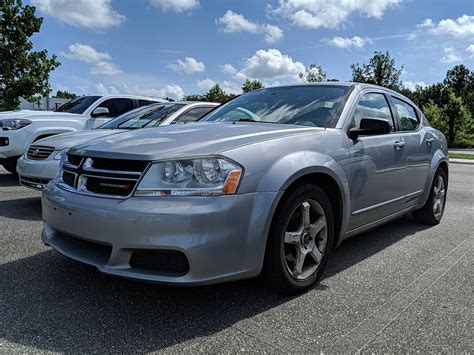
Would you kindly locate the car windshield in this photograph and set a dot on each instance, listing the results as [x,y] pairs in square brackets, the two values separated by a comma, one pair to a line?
[146,116]
[306,105]
[78,105]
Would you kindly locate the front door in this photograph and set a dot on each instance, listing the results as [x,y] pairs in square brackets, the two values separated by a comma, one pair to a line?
[378,165]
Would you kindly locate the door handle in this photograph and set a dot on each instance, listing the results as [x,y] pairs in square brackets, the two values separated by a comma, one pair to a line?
[398,145]
[429,140]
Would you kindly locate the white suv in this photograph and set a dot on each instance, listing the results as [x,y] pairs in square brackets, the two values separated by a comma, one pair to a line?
[18,129]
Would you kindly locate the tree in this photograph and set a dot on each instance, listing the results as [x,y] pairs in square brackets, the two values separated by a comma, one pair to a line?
[457,117]
[313,74]
[216,94]
[459,78]
[250,85]
[170,99]
[381,70]
[23,72]
[194,98]
[65,95]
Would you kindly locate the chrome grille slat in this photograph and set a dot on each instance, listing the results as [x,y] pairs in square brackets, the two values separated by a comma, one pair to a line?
[39,152]
[104,181]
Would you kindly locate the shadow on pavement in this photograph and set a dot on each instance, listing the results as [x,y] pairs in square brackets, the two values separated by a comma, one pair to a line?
[8,179]
[28,208]
[51,303]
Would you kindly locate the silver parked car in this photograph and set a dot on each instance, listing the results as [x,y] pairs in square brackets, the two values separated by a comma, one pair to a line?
[270,183]
[39,165]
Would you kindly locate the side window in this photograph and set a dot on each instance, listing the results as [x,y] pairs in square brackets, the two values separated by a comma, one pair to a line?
[372,105]
[406,114]
[117,106]
[145,103]
[194,114]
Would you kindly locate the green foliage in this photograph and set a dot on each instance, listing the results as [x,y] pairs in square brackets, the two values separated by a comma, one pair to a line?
[215,94]
[381,70]
[65,95]
[250,85]
[23,72]
[312,74]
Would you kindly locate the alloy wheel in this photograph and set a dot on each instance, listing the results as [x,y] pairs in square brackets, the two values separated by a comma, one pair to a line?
[305,239]
[439,193]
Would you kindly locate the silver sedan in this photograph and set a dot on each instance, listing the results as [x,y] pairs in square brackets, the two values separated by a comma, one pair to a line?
[269,184]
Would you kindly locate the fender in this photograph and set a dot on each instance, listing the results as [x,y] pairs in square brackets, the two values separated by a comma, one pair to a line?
[282,174]
[438,157]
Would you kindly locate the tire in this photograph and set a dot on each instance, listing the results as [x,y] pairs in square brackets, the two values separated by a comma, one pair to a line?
[10,165]
[290,237]
[428,214]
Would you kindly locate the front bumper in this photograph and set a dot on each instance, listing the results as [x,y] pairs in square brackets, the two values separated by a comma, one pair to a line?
[35,174]
[222,238]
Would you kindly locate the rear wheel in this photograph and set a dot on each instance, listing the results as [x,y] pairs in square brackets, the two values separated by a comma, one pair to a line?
[432,212]
[300,240]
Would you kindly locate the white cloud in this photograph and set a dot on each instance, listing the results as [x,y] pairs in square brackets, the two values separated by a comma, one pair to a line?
[86,53]
[450,56]
[271,63]
[102,61]
[470,50]
[205,84]
[228,69]
[233,22]
[461,27]
[427,23]
[413,85]
[94,14]
[328,13]
[188,66]
[175,5]
[345,42]
[272,33]
[231,87]
[105,68]
[173,91]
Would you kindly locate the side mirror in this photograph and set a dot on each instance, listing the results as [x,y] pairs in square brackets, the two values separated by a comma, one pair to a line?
[370,127]
[100,112]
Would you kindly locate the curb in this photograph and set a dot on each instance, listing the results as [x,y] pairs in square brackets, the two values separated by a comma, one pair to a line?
[462,161]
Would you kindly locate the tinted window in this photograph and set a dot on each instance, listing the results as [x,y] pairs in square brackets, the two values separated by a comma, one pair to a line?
[78,105]
[406,115]
[194,114]
[311,105]
[151,117]
[145,102]
[372,105]
[117,106]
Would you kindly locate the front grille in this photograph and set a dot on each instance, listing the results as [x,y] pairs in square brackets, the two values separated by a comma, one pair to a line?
[99,252]
[34,180]
[74,159]
[69,178]
[38,152]
[106,186]
[101,176]
[168,261]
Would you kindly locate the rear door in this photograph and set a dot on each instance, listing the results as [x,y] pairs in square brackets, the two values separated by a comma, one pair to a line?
[378,164]
[418,147]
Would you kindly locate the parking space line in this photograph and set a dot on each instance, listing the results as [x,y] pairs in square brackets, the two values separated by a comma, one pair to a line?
[364,332]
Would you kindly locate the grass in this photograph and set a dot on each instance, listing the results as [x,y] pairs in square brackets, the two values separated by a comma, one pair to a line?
[461,156]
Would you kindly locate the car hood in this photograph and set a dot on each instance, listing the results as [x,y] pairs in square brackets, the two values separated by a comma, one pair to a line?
[195,139]
[67,140]
[36,115]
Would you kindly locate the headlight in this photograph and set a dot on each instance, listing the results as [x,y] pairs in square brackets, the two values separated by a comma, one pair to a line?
[9,125]
[194,177]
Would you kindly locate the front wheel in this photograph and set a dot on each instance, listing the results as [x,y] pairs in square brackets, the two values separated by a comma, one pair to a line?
[432,212]
[300,240]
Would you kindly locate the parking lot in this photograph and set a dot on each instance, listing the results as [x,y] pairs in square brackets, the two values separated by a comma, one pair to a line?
[402,287]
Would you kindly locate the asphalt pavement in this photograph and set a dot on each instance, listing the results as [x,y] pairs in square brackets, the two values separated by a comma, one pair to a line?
[403,287]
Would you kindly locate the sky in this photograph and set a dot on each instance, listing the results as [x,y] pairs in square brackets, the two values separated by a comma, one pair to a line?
[171,48]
